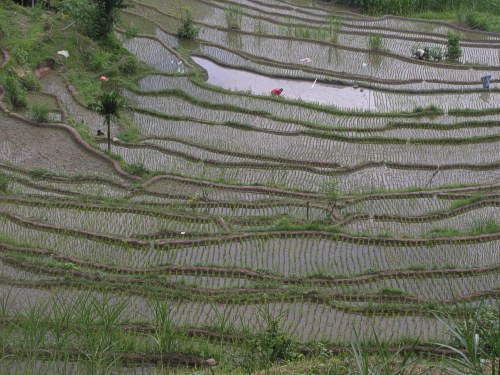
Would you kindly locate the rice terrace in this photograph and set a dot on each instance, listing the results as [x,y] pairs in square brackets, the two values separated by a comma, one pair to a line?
[250,187]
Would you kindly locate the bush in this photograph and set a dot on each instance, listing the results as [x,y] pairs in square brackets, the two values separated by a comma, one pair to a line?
[187,29]
[39,113]
[453,49]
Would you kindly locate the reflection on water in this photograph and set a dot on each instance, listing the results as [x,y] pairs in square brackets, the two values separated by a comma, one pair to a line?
[240,80]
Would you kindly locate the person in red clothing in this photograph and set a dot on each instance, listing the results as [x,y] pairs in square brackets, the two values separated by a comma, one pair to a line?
[276,92]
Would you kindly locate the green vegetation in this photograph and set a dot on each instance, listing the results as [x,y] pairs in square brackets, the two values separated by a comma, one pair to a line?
[95,18]
[453,49]
[39,113]
[265,236]
[4,183]
[234,17]
[15,92]
[375,42]
[187,29]
[109,105]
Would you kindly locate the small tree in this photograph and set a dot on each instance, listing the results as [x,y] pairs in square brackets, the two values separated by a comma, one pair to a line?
[331,189]
[453,49]
[109,104]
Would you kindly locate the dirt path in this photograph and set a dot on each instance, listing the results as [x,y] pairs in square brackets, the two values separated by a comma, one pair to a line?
[5,58]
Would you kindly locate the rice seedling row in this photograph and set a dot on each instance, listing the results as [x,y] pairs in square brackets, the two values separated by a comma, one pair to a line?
[119,223]
[233,146]
[409,131]
[476,220]
[299,317]
[324,31]
[432,288]
[400,24]
[415,206]
[153,53]
[312,256]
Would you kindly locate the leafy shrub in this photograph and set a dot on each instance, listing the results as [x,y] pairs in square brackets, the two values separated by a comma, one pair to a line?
[375,42]
[431,53]
[39,113]
[453,49]
[187,29]
[435,53]
[16,93]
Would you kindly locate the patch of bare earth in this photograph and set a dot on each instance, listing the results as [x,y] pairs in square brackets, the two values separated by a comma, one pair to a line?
[53,149]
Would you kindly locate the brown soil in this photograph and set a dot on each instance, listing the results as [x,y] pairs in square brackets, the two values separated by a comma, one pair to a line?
[44,68]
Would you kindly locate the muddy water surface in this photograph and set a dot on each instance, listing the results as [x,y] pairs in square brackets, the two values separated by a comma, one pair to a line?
[239,80]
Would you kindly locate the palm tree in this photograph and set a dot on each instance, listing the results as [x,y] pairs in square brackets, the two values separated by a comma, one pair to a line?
[109,104]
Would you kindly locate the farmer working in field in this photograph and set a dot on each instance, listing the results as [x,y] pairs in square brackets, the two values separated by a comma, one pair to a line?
[276,92]
[420,53]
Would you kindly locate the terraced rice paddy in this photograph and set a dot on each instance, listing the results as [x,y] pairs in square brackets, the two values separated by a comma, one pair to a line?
[362,216]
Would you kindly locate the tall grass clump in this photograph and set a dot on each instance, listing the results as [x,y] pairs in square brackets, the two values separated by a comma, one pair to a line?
[4,183]
[375,42]
[234,17]
[475,341]
[15,92]
[333,29]
[39,113]
[473,19]
[384,361]
[187,29]
[268,346]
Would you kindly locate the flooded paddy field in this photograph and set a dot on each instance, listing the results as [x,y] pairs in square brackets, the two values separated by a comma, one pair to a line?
[359,201]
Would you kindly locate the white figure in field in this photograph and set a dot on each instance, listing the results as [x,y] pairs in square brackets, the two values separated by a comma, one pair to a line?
[420,53]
